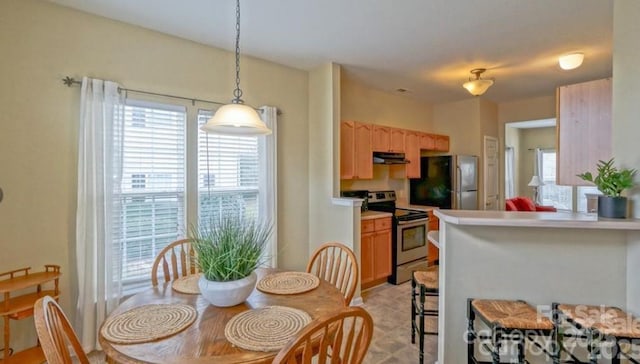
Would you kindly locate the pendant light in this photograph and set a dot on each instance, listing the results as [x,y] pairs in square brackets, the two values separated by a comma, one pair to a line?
[236,118]
[478,86]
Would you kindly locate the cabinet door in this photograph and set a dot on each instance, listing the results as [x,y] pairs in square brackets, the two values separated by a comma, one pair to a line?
[363,154]
[427,141]
[382,254]
[366,258]
[397,140]
[347,150]
[381,138]
[433,253]
[442,143]
[412,153]
[584,129]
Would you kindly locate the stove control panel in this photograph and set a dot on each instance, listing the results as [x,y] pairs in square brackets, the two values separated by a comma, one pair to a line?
[381,196]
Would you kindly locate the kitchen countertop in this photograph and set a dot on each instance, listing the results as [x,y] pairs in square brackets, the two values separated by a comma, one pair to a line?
[535,219]
[416,207]
[367,215]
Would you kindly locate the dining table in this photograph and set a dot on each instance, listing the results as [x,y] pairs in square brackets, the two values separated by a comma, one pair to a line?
[204,340]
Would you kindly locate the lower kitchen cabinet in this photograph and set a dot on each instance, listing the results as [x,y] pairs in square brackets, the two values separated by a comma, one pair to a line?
[375,250]
[433,253]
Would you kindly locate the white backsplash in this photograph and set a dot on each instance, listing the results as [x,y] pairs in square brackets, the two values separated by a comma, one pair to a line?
[380,181]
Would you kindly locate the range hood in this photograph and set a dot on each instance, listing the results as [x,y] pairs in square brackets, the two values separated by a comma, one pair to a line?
[389,158]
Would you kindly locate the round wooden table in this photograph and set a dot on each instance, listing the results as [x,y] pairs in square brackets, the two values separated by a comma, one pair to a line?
[204,340]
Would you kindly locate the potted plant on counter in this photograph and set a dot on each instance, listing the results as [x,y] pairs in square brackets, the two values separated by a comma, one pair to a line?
[228,251]
[611,181]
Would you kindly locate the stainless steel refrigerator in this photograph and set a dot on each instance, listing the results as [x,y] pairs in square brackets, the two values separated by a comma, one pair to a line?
[448,182]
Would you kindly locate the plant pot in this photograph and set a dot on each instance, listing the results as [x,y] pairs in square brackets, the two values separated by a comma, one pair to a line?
[226,294]
[612,207]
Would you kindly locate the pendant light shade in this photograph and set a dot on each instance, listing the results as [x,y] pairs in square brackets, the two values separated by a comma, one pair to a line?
[236,118]
[478,86]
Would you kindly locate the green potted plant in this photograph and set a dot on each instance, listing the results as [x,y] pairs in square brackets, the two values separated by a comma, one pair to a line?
[228,251]
[611,181]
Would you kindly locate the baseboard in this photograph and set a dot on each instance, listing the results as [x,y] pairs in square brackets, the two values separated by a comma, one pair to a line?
[357,301]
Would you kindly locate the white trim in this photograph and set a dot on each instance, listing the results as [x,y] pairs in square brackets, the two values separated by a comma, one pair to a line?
[347,201]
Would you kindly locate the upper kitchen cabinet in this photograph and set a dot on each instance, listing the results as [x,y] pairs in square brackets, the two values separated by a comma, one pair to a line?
[427,141]
[397,140]
[355,150]
[584,129]
[381,138]
[442,143]
[412,153]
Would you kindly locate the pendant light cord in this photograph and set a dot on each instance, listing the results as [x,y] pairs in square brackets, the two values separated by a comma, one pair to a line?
[237,93]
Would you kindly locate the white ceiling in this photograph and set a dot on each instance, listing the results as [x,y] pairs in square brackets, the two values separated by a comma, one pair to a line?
[425,46]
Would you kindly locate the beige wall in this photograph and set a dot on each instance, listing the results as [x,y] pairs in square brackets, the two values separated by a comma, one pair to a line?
[40,43]
[361,103]
[626,89]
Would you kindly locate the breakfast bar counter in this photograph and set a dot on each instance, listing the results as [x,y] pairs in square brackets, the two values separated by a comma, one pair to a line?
[533,256]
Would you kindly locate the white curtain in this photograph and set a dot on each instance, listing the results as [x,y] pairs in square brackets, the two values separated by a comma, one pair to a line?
[99,170]
[268,197]
[537,165]
[509,173]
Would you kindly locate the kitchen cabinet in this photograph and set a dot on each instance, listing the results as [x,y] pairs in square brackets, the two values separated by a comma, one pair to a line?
[427,141]
[584,129]
[442,143]
[356,159]
[21,306]
[375,250]
[381,138]
[397,143]
[412,153]
[433,253]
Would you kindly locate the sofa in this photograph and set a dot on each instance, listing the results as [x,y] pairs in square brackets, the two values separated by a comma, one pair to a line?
[521,203]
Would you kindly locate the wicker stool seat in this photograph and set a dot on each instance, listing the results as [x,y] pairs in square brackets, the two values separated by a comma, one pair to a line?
[516,321]
[598,324]
[423,284]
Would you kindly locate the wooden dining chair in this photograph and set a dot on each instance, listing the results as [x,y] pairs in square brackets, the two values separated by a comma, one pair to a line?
[55,333]
[336,263]
[338,339]
[177,260]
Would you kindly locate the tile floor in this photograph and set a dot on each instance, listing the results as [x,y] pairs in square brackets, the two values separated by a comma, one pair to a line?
[390,307]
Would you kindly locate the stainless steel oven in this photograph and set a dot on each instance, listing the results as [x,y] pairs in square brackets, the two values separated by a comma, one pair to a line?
[409,238]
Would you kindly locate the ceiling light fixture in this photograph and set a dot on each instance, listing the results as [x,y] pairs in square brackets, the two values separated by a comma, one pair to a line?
[571,61]
[236,118]
[477,86]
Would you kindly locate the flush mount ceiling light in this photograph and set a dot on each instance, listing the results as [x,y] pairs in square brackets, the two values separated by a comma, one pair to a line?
[571,61]
[236,118]
[477,86]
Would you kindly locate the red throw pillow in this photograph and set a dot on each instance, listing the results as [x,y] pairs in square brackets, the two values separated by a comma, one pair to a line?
[510,206]
[524,204]
[546,208]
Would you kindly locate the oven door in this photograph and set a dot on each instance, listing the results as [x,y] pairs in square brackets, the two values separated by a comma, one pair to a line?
[411,240]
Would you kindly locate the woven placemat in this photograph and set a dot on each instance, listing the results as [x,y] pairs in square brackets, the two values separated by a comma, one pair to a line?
[265,329]
[288,283]
[187,284]
[148,323]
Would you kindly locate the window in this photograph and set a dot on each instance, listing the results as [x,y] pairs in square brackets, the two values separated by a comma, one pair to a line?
[151,194]
[230,175]
[557,196]
[228,170]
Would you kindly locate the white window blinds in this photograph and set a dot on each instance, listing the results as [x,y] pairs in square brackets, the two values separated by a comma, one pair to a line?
[152,191]
[228,170]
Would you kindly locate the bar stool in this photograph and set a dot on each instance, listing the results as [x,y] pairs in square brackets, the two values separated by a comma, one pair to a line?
[508,320]
[597,324]
[423,284]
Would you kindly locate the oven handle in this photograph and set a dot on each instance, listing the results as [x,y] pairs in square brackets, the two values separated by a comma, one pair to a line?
[413,222]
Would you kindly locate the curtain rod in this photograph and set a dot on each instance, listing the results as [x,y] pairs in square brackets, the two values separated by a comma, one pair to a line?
[70,81]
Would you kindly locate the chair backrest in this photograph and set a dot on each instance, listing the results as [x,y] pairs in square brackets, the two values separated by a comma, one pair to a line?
[177,260]
[336,264]
[343,338]
[55,333]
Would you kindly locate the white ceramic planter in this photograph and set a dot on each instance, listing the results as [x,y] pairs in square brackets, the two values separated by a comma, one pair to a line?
[225,294]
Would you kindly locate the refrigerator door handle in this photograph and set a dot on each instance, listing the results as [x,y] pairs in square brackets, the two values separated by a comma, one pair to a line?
[458,187]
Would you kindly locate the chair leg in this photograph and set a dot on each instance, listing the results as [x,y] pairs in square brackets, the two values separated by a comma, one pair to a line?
[496,341]
[556,340]
[615,354]
[413,310]
[421,329]
[471,337]
[521,350]
[592,347]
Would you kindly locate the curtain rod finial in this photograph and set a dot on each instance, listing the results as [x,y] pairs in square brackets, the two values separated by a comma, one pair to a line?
[69,81]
